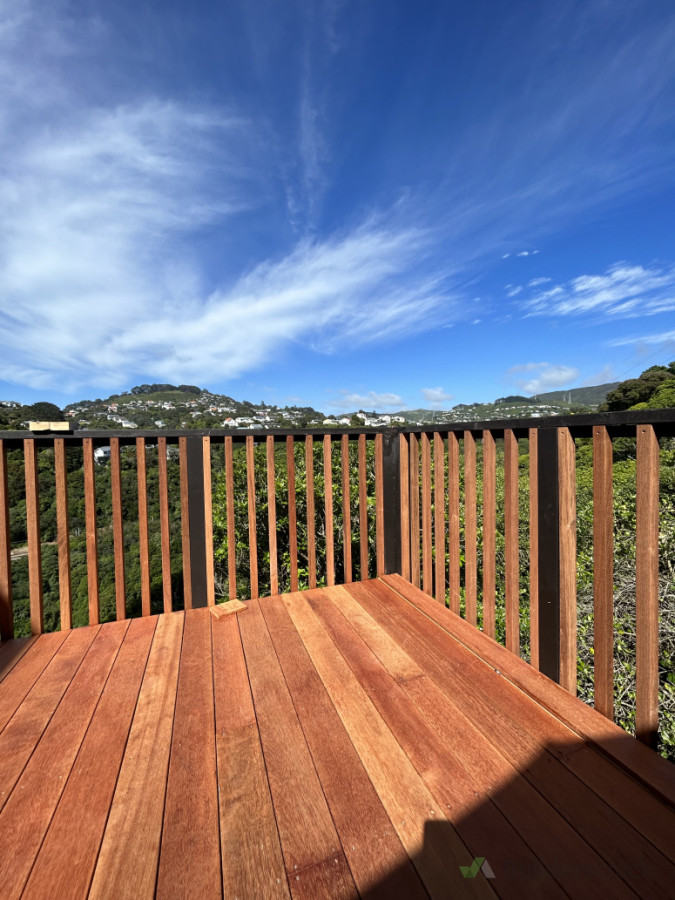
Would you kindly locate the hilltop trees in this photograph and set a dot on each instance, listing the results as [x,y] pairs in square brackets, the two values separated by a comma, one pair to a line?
[654,389]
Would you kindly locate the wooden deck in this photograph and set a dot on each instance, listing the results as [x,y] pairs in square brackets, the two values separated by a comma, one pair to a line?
[342,742]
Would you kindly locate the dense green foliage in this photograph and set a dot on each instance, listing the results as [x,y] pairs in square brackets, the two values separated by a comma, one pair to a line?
[654,389]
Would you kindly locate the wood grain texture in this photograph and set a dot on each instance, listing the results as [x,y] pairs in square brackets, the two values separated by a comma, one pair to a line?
[34,537]
[415,533]
[118,528]
[272,516]
[127,863]
[66,860]
[185,524]
[534,547]
[91,527]
[647,586]
[330,878]
[470,534]
[311,515]
[511,546]
[489,532]
[252,537]
[379,504]
[23,674]
[328,508]
[427,565]
[143,532]
[346,511]
[6,604]
[189,861]
[363,509]
[454,525]
[231,537]
[439,518]
[11,652]
[165,534]
[603,573]
[404,474]
[208,523]
[568,560]
[63,534]
[292,511]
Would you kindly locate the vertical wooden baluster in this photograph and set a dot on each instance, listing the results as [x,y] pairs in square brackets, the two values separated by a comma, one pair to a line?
[363,509]
[453,522]
[311,520]
[165,537]
[208,524]
[252,537]
[512,585]
[426,514]
[379,505]
[231,536]
[534,550]
[185,524]
[63,533]
[34,537]
[118,528]
[568,560]
[647,586]
[143,535]
[603,573]
[272,516]
[346,510]
[439,517]
[91,529]
[405,505]
[470,573]
[6,604]
[415,556]
[328,507]
[489,532]
[292,515]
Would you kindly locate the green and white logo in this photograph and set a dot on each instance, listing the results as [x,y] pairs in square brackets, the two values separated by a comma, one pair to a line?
[479,864]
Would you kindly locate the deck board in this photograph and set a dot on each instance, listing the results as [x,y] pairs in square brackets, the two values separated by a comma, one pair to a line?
[343,742]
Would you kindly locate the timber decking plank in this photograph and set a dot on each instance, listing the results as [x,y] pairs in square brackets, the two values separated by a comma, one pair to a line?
[23,731]
[25,817]
[11,651]
[306,830]
[652,770]
[65,863]
[252,861]
[370,843]
[330,878]
[189,860]
[127,862]
[25,670]
[401,789]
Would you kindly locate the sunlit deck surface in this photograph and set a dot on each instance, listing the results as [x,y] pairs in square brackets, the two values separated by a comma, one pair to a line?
[341,742]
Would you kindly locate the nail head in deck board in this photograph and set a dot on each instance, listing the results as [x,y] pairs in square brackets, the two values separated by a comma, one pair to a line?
[311,521]
[272,517]
[328,506]
[489,532]
[427,573]
[231,540]
[118,527]
[164,523]
[29,810]
[143,535]
[379,505]
[370,843]
[126,868]
[34,537]
[603,574]
[647,586]
[346,511]
[6,607]
[363,510]
[292,514]
[63,533]
[65,863]
[470,551]
[208,523]
[91,529]
[305,826]
[439,518]
[404,491]
[330,878]
[511,561]
[568,561]
[414,511]
[534,550]
[189,862]
[396,781]
[453,521]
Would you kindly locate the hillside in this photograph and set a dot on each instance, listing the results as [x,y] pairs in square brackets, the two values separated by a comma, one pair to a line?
[589,396]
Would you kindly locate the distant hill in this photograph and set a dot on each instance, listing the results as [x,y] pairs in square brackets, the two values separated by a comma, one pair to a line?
[589,396]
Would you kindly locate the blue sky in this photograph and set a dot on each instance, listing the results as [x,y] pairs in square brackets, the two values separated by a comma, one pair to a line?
[340,204]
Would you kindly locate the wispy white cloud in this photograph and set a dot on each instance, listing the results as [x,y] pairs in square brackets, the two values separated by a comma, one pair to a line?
[536,282]
[348,401]
[548,377]
[664,337]
[513,290]
[527,253]
[436,397]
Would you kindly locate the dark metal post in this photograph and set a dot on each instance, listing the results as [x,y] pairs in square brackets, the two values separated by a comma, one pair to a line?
[549,553]
[391,486]
[195,484]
